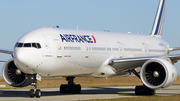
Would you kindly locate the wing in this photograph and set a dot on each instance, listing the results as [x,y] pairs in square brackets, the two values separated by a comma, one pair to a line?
[6,51]
[124,65]
[174,58]
[2,61]
[174,49]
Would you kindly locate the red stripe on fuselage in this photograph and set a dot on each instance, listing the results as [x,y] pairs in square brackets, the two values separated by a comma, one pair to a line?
[94,39]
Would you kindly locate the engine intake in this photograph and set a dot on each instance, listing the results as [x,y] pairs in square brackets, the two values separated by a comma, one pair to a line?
[14,76]
[155,74]
[158,73]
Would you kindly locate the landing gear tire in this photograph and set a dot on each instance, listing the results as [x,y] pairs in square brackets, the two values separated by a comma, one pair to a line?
[73,89]
[138,90]
[31,93]
[38,93]
[143,90]
[64,88]
[78,89]
[150,91]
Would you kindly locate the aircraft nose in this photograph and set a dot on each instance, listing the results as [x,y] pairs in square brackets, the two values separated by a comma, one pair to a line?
[22,56]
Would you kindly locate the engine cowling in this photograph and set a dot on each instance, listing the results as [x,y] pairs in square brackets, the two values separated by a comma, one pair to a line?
[14,76]
[158,73]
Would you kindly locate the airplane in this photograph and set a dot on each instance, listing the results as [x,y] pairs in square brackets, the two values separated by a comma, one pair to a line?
[56,52]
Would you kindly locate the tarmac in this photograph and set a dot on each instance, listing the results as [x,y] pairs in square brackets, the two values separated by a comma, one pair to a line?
[53,94]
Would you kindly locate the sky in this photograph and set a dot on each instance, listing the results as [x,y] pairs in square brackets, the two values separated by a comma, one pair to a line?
[17,17]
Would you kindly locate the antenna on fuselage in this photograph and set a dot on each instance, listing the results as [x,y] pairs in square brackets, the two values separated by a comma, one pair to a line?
[138,32]
[106,31]
[77,28]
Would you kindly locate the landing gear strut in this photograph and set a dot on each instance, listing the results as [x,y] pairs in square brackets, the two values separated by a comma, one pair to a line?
[71,87]
[34,92]
[142,90]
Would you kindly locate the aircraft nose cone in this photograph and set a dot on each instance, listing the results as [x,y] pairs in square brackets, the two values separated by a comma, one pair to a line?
[22,56]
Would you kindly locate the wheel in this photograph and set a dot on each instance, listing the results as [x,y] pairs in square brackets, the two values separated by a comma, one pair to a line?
[77,89]
[143,90]
[64,89]
[38,93]
[149,91]
[31,93]
[74,89]
[71,89]
[139,90]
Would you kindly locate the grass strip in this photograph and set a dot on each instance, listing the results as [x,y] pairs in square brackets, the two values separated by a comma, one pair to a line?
[145,98]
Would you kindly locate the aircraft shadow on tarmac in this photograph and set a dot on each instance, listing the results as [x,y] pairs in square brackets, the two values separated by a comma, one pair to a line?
[104,90]
[94,90]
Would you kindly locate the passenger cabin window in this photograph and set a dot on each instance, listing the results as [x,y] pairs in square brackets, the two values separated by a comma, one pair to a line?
[34,45]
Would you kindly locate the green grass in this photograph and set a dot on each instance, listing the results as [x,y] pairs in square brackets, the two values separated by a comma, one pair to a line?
[145,98]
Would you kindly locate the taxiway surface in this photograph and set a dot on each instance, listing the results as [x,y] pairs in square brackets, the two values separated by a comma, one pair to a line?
[52,94]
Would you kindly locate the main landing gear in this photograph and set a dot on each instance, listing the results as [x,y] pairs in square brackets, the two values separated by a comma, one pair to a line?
[142,90]
[71,87]
[34,92]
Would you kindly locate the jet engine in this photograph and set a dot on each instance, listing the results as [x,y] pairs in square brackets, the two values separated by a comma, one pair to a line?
[14,76]
[158,73]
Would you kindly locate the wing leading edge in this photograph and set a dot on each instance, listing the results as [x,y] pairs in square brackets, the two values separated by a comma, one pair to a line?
[174,49]
[126,64]
[6,51]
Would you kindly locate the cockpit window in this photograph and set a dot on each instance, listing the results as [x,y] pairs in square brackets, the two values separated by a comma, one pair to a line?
[35,45]
[19,44]
[27,45]
[38,45]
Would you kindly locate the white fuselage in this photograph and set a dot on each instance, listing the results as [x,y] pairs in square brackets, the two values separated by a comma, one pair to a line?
[67,53]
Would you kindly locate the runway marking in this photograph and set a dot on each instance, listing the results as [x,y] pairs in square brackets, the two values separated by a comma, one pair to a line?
[2,85]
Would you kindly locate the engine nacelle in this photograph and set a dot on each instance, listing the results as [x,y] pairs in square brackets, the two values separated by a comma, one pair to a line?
[158,73]
[14,76]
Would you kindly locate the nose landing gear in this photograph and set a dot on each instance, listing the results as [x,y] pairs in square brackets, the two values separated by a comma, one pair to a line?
[34,92]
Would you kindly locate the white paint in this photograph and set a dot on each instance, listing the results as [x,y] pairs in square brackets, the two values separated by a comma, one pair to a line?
[2,85]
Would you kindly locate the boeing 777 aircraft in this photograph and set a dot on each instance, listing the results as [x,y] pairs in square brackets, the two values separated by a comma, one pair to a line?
[56,52]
